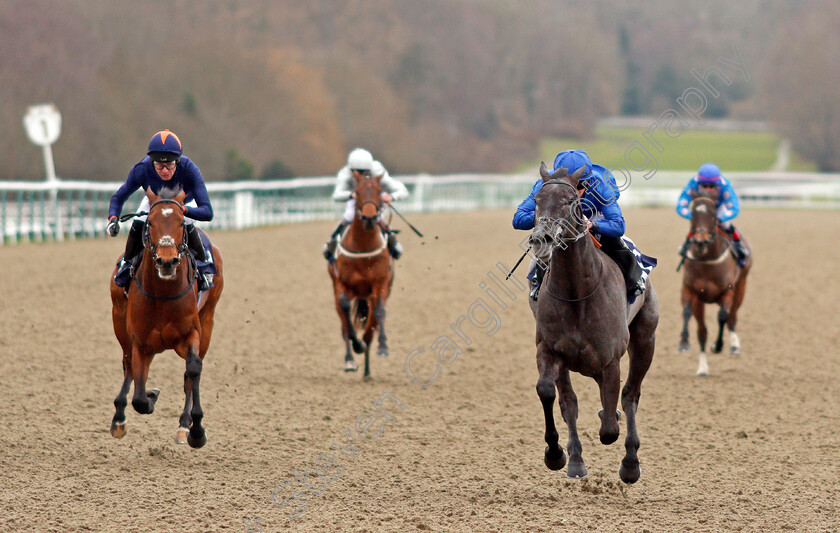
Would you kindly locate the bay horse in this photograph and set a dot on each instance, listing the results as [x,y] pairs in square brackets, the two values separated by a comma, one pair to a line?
[584,325]
[711,276]
[163,310]
[362,276]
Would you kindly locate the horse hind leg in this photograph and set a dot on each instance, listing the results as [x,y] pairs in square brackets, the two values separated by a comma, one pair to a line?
[569,410]
[640,352]
[723,317]
[348,332]
[379,314]
[142,401]
[555,457]
[186,419]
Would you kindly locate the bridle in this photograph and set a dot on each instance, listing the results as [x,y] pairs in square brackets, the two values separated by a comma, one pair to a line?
[567,240]
[163,242]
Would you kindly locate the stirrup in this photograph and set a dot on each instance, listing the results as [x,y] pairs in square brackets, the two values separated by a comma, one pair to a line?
[535,291]
[205,281]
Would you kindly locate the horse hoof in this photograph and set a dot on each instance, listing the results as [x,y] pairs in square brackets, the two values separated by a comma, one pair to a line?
[703,373]
[359,346]
[197,442]
[735,350]
[181,436]
[576,470]
[118,429]
[350,366]
[153,394]
[382,351]
[629,474]
[684,347]
[367,378]
[717,348]
[554,461]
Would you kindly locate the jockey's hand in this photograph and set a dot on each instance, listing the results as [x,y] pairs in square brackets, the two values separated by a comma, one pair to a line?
[387,198]
[113,226]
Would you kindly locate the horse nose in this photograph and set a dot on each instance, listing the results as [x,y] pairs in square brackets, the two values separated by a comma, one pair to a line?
[162,263]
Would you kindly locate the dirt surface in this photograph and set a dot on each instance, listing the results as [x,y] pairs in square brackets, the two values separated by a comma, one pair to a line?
[753,447]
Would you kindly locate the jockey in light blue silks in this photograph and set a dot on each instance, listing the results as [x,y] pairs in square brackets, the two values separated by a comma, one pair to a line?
[728,207]
[599,203]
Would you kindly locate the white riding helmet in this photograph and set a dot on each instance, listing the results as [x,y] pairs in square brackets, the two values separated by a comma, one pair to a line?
[360,159]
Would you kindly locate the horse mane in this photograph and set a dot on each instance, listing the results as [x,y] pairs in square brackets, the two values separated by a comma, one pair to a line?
[168,193]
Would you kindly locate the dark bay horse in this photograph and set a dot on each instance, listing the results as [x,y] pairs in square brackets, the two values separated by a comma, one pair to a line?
[584,325]
[362,276]
[162,310]
[711,276]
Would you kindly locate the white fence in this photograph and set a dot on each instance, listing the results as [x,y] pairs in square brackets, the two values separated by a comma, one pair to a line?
[76,209]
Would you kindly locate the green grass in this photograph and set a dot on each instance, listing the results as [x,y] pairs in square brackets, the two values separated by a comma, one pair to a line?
[731,151]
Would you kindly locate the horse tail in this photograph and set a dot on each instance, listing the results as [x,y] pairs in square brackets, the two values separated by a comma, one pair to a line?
[360,311]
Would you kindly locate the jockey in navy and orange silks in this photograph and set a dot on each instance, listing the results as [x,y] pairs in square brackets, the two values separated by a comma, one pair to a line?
[728,207]
[164,166]
[599,205]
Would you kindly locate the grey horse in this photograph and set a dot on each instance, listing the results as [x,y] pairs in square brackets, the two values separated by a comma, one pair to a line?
[584,325]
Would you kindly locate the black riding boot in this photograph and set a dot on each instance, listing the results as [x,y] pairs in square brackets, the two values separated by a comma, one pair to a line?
[329,247]
[133,249]
[195,244]
[394,247]
[205,281]
[536,282]
[618,251]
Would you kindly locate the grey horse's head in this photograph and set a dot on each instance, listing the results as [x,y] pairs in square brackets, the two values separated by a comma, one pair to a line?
[558,220]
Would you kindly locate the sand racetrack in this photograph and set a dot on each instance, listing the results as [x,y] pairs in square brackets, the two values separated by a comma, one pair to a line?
[753,447]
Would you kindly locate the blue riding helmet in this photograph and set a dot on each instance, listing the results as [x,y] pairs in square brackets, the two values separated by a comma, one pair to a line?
[572,160]
[164,147]
[709,173]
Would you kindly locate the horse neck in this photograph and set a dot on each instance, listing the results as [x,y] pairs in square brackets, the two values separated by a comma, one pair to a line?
[360,239]
[575,271]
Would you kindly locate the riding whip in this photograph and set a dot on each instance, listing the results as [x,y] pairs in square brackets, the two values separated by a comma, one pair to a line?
[394,209]
[517,263]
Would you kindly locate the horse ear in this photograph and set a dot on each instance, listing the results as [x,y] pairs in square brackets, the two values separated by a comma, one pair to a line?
[180,197]
[544,171]
[578,174]
[151,196]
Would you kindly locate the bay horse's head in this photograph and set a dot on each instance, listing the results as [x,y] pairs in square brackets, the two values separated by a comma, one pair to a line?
[703,224]
[164,235]
[558,220]
[368,200]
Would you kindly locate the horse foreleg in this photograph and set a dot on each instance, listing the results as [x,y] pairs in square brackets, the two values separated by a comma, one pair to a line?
[702,333]
[379,314]
[555,457]
[569,410]
[118,428]
[686,316]
[348,332]
[196,437]
[142,401]
[609,385]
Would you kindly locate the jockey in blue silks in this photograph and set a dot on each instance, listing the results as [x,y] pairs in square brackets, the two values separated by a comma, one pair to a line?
[599,204]
[728,207]
[163,167]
